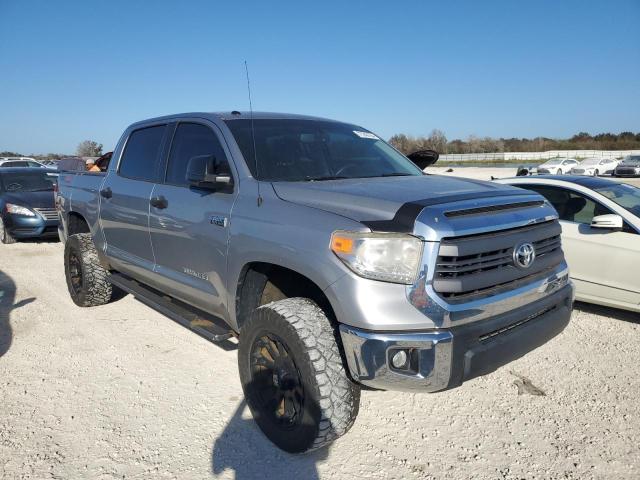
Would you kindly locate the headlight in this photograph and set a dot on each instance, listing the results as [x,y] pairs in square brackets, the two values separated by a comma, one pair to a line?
[388,257]
[18,210]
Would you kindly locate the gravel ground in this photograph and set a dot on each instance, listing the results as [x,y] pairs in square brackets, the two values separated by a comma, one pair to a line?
[120,391]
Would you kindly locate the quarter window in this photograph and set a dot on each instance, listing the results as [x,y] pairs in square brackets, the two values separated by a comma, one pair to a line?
[141,154]
[192,140]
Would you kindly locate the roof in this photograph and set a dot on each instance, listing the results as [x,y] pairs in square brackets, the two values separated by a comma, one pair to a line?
[235,115]
[26,169]
[585,181]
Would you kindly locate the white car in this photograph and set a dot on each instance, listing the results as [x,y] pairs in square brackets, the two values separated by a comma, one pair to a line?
[557,166]
[20,162]
[595,166]
[600,221]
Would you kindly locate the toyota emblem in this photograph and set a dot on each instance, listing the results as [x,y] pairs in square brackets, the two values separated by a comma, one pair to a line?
[524,255]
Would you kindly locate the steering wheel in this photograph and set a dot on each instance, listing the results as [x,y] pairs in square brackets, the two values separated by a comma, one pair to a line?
[342,169]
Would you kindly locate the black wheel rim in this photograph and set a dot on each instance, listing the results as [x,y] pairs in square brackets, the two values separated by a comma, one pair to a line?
[75,273]
[277,382]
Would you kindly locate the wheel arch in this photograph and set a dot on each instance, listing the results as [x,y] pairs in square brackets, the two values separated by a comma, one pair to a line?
[262,282]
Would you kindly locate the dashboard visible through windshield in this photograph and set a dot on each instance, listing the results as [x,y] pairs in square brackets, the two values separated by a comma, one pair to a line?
[292,150]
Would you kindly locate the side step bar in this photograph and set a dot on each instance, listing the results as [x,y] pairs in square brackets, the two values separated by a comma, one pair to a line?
[208,326]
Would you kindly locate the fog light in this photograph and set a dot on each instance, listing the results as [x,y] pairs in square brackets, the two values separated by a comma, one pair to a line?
[399,359]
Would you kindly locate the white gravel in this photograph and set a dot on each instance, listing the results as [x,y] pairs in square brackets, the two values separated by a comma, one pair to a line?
[120,391]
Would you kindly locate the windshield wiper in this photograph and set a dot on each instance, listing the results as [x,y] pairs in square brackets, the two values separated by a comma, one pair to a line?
[320,179]
[40,190]
[398,174]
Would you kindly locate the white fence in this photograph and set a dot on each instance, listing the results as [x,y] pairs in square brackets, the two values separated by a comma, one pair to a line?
[507,156]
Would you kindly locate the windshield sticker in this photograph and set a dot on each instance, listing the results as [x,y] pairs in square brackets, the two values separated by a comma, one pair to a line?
[365,135]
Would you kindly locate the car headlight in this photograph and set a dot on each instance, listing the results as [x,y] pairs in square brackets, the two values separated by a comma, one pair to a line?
[18,210]
[388,257]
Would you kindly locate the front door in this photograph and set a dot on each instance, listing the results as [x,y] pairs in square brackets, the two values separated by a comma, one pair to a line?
[604,264]
[189,226]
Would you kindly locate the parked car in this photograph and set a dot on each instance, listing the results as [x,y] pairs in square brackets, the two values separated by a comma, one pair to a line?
[27,207]
[333,259]
[600,221]
[8,162]
[595,166]
[629,167]
[557,166]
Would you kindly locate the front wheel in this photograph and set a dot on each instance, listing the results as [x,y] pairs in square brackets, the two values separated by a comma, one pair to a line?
[596,173]
[559,172]
[293,376]
[5,236]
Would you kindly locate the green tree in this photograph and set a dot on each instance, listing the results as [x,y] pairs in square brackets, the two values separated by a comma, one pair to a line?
[89,148]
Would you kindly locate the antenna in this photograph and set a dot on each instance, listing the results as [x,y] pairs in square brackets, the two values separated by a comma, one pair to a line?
[253,132]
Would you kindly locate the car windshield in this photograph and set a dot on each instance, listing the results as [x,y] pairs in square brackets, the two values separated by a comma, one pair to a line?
[632,160]
[553,161]
[625,195]
[292,150]
[590,162]
[27,181]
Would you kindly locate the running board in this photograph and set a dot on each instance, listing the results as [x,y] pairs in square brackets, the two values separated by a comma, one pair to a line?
[206,325]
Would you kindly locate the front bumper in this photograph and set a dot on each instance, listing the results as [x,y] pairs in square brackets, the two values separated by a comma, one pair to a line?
[21,226]
[440,359]
[627,172]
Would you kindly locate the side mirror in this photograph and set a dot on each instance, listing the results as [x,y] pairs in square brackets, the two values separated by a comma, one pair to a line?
[609,222]
[424,158]
[201,173]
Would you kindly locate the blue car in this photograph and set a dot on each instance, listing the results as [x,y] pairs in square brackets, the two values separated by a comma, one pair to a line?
[27,207]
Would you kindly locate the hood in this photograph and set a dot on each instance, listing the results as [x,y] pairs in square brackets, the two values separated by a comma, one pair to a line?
[379,199]
[44,199]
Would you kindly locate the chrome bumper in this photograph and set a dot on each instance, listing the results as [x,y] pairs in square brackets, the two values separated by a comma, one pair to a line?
[444,358]
[369,358]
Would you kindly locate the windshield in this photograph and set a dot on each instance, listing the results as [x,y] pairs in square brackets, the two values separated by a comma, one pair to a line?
[631,160]
[627,196]
[590,161]
[28,181]
[291,150]
[554,161]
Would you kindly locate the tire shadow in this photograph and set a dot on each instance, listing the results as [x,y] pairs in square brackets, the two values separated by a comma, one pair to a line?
[615,313]
[243,449]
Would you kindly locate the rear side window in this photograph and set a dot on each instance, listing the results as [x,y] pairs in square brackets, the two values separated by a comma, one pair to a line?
[192,140]
[141,154]
[15,164]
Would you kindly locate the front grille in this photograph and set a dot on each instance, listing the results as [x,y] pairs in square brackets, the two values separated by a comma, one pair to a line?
[48,213]
[474,265]
[493,208]
[625,171]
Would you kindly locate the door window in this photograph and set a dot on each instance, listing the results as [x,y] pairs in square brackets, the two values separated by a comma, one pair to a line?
[192,140]
[571,206]
[140,157]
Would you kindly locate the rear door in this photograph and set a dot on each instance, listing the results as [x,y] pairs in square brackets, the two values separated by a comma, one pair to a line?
[189,226]
[124,202]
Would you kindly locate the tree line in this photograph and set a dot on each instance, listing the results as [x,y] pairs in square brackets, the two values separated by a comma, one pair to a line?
[438,141]
[86,148]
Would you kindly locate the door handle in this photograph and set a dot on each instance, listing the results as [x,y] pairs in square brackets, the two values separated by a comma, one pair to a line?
[159,202]
[106,192]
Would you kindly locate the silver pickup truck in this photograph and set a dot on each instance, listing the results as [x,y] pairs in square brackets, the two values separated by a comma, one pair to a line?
[335,262]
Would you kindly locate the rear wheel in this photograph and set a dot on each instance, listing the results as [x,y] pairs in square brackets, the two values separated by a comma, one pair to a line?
[5,236]
[293,376]
[87,280]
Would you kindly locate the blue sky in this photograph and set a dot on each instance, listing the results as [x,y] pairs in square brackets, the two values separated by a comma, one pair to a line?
[74,70]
